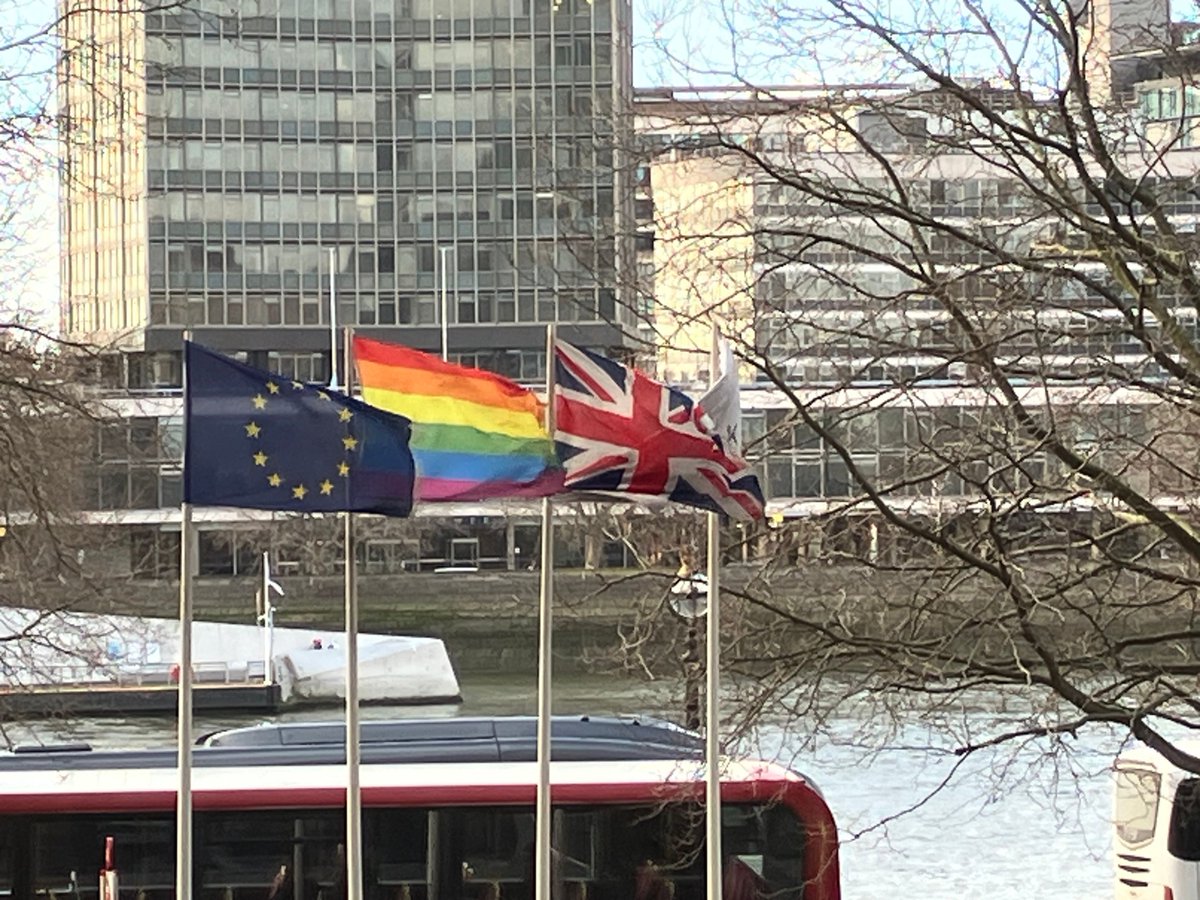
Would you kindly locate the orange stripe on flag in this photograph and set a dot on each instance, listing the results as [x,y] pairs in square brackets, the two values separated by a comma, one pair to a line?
[403,370]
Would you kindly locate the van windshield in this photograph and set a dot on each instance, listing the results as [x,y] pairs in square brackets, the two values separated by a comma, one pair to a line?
[1183,840]
[1136,805]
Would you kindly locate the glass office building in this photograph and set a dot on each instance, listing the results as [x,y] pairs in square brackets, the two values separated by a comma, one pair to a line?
[419,151]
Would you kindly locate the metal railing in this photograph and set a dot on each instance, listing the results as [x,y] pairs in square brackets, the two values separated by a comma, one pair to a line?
[149,675]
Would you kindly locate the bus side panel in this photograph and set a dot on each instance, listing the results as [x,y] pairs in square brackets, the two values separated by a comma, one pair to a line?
[821,848]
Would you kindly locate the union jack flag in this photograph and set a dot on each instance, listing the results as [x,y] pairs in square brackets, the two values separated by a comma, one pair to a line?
[618,430]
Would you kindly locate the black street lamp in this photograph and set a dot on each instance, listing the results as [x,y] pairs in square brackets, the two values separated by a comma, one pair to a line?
[689,601]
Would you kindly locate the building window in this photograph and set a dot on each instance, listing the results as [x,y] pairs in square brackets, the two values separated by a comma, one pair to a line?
[1160,103]
[153,554]
[306,367]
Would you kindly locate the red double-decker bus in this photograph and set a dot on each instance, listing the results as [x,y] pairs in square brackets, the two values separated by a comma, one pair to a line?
[447,815]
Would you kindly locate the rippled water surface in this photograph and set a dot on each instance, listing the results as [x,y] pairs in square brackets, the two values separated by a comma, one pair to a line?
[1012,822]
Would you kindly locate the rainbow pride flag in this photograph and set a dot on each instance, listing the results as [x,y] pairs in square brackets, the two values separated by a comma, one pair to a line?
[475,435]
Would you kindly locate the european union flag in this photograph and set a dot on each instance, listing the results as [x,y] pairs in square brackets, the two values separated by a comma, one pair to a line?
[261,441]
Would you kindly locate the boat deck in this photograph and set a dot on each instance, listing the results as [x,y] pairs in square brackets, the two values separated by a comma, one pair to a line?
[128,700]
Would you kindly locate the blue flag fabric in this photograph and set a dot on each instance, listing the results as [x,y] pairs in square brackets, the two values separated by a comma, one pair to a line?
[262,441]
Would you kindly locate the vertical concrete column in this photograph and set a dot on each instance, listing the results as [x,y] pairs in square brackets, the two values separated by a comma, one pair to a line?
[510,544]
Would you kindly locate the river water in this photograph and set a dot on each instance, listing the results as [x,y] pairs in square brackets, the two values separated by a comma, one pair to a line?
[1007,823]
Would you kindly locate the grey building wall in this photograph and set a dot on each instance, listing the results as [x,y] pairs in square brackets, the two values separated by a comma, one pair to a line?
[403,135]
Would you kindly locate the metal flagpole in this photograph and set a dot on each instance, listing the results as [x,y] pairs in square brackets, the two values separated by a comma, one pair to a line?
[183,802]
[268,635]
[712,717]
[445,316]
[268,618]
[354,848]
[333,354]
[542,878]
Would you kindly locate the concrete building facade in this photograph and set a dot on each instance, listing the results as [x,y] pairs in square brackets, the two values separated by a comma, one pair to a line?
[230,168]
[228,165]
[488,138]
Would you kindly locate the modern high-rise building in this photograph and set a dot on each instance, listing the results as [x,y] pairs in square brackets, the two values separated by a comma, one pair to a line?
[229,165]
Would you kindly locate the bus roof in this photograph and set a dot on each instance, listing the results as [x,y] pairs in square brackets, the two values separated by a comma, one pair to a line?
[463,740]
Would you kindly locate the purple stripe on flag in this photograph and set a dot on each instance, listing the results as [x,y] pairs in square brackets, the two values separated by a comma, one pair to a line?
[445,489]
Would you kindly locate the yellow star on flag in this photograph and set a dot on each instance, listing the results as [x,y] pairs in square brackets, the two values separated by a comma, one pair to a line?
[349,442]
[272,387]
[323,395]
[299,491]
[297,385]
[274,480]
[345,415]
[326,487]
[260,458]
[252,430]
[260,402]
[343,469]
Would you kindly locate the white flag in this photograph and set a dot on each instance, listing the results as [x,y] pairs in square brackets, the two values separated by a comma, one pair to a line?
[723,403]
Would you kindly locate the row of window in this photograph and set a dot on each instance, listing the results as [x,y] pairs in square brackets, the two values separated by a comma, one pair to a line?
[485,544]
[271,233]
[316,111]
[574,203]
[564,51]
[814,475]
[892,445]
[765,432]
[608,852]
[214,78]
[158,371]
[226,259]
[379,24]
[777,431]
[565,182]
[387,308]
[969,197]
[841,244]
[806,287]
[848,339]
[210,11]
[902,475]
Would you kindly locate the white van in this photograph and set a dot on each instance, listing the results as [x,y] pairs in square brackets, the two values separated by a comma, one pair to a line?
[1156,827]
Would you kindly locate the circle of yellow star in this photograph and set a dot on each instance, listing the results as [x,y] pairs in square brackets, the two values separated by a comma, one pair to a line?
[274,480]
[299,491]
[297,386]
[260,458]
[326,487]
[252,430]
[260,402]
[343,469]
[349,442]
[272,387]
[345,415]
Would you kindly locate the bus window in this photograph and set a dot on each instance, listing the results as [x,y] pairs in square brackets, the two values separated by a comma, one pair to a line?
[8,856]
[496,848]
[1183,841]
[396,853]
[271,855]
[67,853]
[763,848]
[1136,805]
